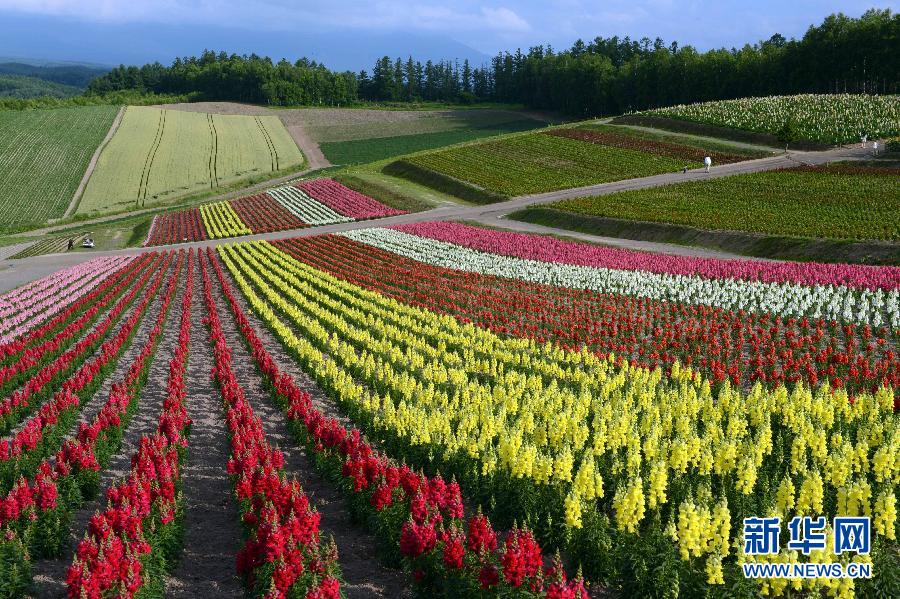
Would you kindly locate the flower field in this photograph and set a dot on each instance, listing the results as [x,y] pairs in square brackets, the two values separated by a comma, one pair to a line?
[501,414]
[309,203]
[830,119]
[825,202]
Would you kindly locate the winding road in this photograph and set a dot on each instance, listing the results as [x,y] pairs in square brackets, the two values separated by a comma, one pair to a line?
[18,272]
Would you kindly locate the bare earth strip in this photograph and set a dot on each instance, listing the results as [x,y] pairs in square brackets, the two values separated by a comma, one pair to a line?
[73,205]
[315,159]
[212,534]
[363,575]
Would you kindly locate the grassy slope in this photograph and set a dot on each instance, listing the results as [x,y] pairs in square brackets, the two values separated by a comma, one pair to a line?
[826,204]
[535,163]
[181,162]
[374,149]
[43,155]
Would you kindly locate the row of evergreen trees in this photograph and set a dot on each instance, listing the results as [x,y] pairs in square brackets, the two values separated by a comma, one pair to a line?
[605,76]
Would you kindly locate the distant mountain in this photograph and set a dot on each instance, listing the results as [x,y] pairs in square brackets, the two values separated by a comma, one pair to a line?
[58,38]
[17,86]
[73,75]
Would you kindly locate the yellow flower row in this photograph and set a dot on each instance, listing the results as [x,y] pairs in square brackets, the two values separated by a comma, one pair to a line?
[222,221]
[572,420]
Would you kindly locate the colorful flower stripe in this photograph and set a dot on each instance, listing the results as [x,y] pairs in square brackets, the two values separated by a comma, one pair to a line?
[21,297]
[862,306]
[48,301]
[176,227]
[221,221]
[112,559]
[282,555]
[740,347]
[437,549]
[13,371]
[263,214]
[66,316]
[346,201]
[44,431]
[304,207]
[36,514]
[548,249]
[23,400]
[658,456]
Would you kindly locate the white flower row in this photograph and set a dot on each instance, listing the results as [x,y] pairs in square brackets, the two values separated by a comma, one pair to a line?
[787,299]
[301,205]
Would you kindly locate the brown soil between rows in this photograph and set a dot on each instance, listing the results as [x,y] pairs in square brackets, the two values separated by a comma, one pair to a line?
[363,574]
[50,575]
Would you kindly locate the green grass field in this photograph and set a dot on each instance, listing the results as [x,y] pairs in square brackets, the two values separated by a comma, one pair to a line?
[537,162]
[371,150]
[43,156]
[834,203]
[158,155]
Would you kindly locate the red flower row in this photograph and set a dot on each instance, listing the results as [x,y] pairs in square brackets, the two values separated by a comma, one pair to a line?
[176,227]
[32,356]
[28,505]
[109,559]
[283,529]
[263,214]
[737,346]
[18,402]
[129,270]
[433,509]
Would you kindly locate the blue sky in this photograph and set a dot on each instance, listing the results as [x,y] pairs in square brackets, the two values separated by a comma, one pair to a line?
[485,26]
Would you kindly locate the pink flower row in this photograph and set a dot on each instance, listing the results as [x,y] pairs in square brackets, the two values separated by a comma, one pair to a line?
[23,312]
[548,249]
[346,201]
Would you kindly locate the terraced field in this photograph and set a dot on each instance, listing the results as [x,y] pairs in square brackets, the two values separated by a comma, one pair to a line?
[832,202]
[158,155]
[540,162]
[43,156]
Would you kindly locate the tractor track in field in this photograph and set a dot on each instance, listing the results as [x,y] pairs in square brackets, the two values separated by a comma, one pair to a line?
[151,156]
[273,153]
[213,152]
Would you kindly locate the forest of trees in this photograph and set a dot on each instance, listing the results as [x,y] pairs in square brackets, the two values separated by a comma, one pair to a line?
[601,77]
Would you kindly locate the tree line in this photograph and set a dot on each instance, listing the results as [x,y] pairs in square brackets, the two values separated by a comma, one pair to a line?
[604,76]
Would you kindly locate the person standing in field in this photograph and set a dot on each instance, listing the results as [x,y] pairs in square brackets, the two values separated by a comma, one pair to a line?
[707,162]
[875,148]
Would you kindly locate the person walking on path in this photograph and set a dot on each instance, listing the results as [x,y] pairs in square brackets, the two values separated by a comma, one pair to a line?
[707,162]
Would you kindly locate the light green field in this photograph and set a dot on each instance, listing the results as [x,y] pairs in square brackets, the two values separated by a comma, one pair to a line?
[158,155]
[43,156]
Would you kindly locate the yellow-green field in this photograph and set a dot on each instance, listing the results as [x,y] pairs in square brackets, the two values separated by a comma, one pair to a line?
[157,155]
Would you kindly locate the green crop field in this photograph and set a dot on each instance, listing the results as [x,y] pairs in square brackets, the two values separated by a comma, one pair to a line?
[824,118]
[157,155]
[535,163]
[43,156]
[374,149]
[836,202]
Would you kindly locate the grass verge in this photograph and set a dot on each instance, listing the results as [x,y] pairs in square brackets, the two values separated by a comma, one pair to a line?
[441,182]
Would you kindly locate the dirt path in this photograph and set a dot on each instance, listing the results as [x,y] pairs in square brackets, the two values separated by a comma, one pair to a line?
[212,534]
[315,159]
[76,199]
[50,575]
[19,272]
[364,576]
